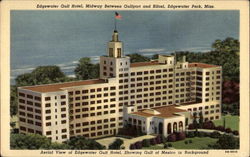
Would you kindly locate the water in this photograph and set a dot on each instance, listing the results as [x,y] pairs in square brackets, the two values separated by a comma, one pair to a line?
[63,37]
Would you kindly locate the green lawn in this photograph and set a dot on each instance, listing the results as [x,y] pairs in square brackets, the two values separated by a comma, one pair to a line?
[197,143]
[231,122]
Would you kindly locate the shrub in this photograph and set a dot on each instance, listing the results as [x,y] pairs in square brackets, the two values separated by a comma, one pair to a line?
[146,143]
[169,145]
[158,139]
[215,134]
[138,145]
[208,125]
[220,128]
[191,126]
[152,141]
[190,134]
[165,145]
[163,139]
[116,144]
[180,136]
[228,130]
[186,142]
[132,146]
[190,141]
[235,132]
[171,138]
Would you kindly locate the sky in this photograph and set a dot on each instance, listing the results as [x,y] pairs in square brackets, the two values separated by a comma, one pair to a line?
[63,37]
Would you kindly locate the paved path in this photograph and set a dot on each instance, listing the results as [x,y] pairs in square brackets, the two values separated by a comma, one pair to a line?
[127,142]
[107,141]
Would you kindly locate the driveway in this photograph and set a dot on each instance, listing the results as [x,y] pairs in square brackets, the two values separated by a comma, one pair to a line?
[127,142]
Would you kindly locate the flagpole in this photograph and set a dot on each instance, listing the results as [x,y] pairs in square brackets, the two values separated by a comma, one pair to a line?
[115,23]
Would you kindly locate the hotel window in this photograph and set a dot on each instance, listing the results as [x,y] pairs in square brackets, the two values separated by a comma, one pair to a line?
[105,94]
[106,89]
[158,71]
[22,94]
[85,129]
[83,115]
[63,121]
[47,98]
[37,98]
[36,110]
[139,73]
[99,113]
[85,123]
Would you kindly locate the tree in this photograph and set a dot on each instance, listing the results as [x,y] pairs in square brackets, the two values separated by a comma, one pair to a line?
[13,100]
[55,145]
[81,142]
[41,75]
[200,119]
[227,45]
[86,70]
[29,141]
[135,57]
[227,142]
[195,122]
[155,56]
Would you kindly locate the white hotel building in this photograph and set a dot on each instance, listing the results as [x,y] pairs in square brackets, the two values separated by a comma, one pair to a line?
[158,97]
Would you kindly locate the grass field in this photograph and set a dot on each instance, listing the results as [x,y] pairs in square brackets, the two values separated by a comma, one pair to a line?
[231,122]
[197,143]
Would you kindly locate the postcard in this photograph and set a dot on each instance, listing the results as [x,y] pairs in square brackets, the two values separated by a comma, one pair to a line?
[124,78]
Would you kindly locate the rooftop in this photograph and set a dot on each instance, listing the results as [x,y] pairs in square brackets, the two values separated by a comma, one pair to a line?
[165,112]
[139,64]
[202,65]
[58,86]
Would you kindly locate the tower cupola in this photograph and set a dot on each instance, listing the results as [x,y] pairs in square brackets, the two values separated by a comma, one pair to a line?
[115,48]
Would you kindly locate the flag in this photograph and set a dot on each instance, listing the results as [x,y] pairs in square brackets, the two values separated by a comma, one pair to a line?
[118,16]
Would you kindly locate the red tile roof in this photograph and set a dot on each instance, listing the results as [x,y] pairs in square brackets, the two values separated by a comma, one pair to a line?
[165,112]
[58,86]
[202,65]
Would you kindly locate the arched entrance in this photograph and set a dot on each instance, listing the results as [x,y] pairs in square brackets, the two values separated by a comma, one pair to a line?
[169,128]
[175,127]
[180,126]
[160,128]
